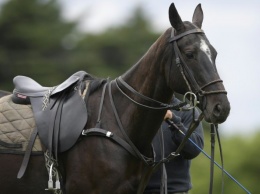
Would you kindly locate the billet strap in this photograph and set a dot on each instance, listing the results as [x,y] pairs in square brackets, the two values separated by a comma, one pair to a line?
[27,155]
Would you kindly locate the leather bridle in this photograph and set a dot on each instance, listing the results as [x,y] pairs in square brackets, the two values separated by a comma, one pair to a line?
[185,70]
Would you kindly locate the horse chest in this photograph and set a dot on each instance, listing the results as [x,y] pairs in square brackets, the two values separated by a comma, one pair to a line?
[103,168]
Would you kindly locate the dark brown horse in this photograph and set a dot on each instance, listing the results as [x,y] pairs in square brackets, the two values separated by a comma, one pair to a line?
[98,165]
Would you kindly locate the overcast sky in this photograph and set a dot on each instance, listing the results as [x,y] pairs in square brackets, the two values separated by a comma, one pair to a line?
[233,28]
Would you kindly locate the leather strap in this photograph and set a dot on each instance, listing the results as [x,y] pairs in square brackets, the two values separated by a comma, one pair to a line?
[146,176]
[162,106]
[109,135]
[174,38]
[147,160]
[27,155]
[212,140]
[101,105]
[221,158]
[214,130]
[164,186]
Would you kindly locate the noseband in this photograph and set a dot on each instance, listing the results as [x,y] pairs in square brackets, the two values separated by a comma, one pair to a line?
[184,69]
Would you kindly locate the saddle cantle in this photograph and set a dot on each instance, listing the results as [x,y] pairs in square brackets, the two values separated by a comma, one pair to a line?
[60,112]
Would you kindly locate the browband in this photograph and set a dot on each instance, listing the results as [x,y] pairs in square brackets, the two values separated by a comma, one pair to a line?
[174,38]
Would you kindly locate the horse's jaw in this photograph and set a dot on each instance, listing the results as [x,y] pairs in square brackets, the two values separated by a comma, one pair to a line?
[217,109]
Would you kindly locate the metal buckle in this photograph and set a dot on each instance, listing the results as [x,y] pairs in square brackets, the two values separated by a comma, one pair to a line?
[192,102]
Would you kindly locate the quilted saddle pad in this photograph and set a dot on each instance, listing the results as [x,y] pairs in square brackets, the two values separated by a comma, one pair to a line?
[16,126]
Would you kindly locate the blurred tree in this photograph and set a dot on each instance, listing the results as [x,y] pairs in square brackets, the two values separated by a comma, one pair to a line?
[34,40]
[241,160]
[115,50]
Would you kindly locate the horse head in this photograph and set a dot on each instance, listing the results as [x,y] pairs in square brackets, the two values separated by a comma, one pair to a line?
[194,57]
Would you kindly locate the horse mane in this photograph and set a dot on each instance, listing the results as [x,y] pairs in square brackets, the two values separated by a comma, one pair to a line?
[95,83]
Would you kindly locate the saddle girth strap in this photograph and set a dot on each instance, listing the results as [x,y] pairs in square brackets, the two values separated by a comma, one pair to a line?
[27,155]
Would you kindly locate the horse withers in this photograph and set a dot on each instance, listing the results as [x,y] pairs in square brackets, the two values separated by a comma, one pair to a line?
[124,114]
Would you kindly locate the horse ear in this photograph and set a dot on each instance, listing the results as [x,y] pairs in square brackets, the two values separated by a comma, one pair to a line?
[175,18]
[197,18]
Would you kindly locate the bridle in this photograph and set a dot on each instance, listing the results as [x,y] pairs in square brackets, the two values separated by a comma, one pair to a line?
[185,70]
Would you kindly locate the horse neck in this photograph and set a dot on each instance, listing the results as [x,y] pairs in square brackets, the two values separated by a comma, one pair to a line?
[148,78]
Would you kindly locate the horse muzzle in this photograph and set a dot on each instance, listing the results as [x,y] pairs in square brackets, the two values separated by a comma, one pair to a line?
[216,109]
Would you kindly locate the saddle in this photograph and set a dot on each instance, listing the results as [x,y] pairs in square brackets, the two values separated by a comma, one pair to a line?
[60,112]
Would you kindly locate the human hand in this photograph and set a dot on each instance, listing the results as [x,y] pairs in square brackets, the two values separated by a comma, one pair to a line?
[168,115]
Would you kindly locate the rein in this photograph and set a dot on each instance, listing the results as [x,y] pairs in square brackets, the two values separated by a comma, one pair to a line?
[162,106]
[221,167]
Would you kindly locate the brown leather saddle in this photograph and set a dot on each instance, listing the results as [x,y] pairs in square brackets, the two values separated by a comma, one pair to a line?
[60,112]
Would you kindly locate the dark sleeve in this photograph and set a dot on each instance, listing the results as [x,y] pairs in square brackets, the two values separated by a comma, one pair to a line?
[183,120]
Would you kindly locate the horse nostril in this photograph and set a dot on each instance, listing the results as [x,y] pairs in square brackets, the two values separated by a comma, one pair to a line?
[217,110]
[218,107]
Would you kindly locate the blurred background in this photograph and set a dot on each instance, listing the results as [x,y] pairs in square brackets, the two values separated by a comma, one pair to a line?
[49,40]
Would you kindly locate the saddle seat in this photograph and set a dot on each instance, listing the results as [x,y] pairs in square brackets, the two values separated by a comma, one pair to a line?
[60,112]
[27,87]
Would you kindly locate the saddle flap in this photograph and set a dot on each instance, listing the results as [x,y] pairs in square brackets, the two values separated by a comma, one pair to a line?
[65,125]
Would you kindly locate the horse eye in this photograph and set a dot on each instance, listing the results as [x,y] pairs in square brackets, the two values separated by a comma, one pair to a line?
[189,55]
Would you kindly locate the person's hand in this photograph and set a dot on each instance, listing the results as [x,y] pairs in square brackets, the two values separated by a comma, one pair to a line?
[168,115]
